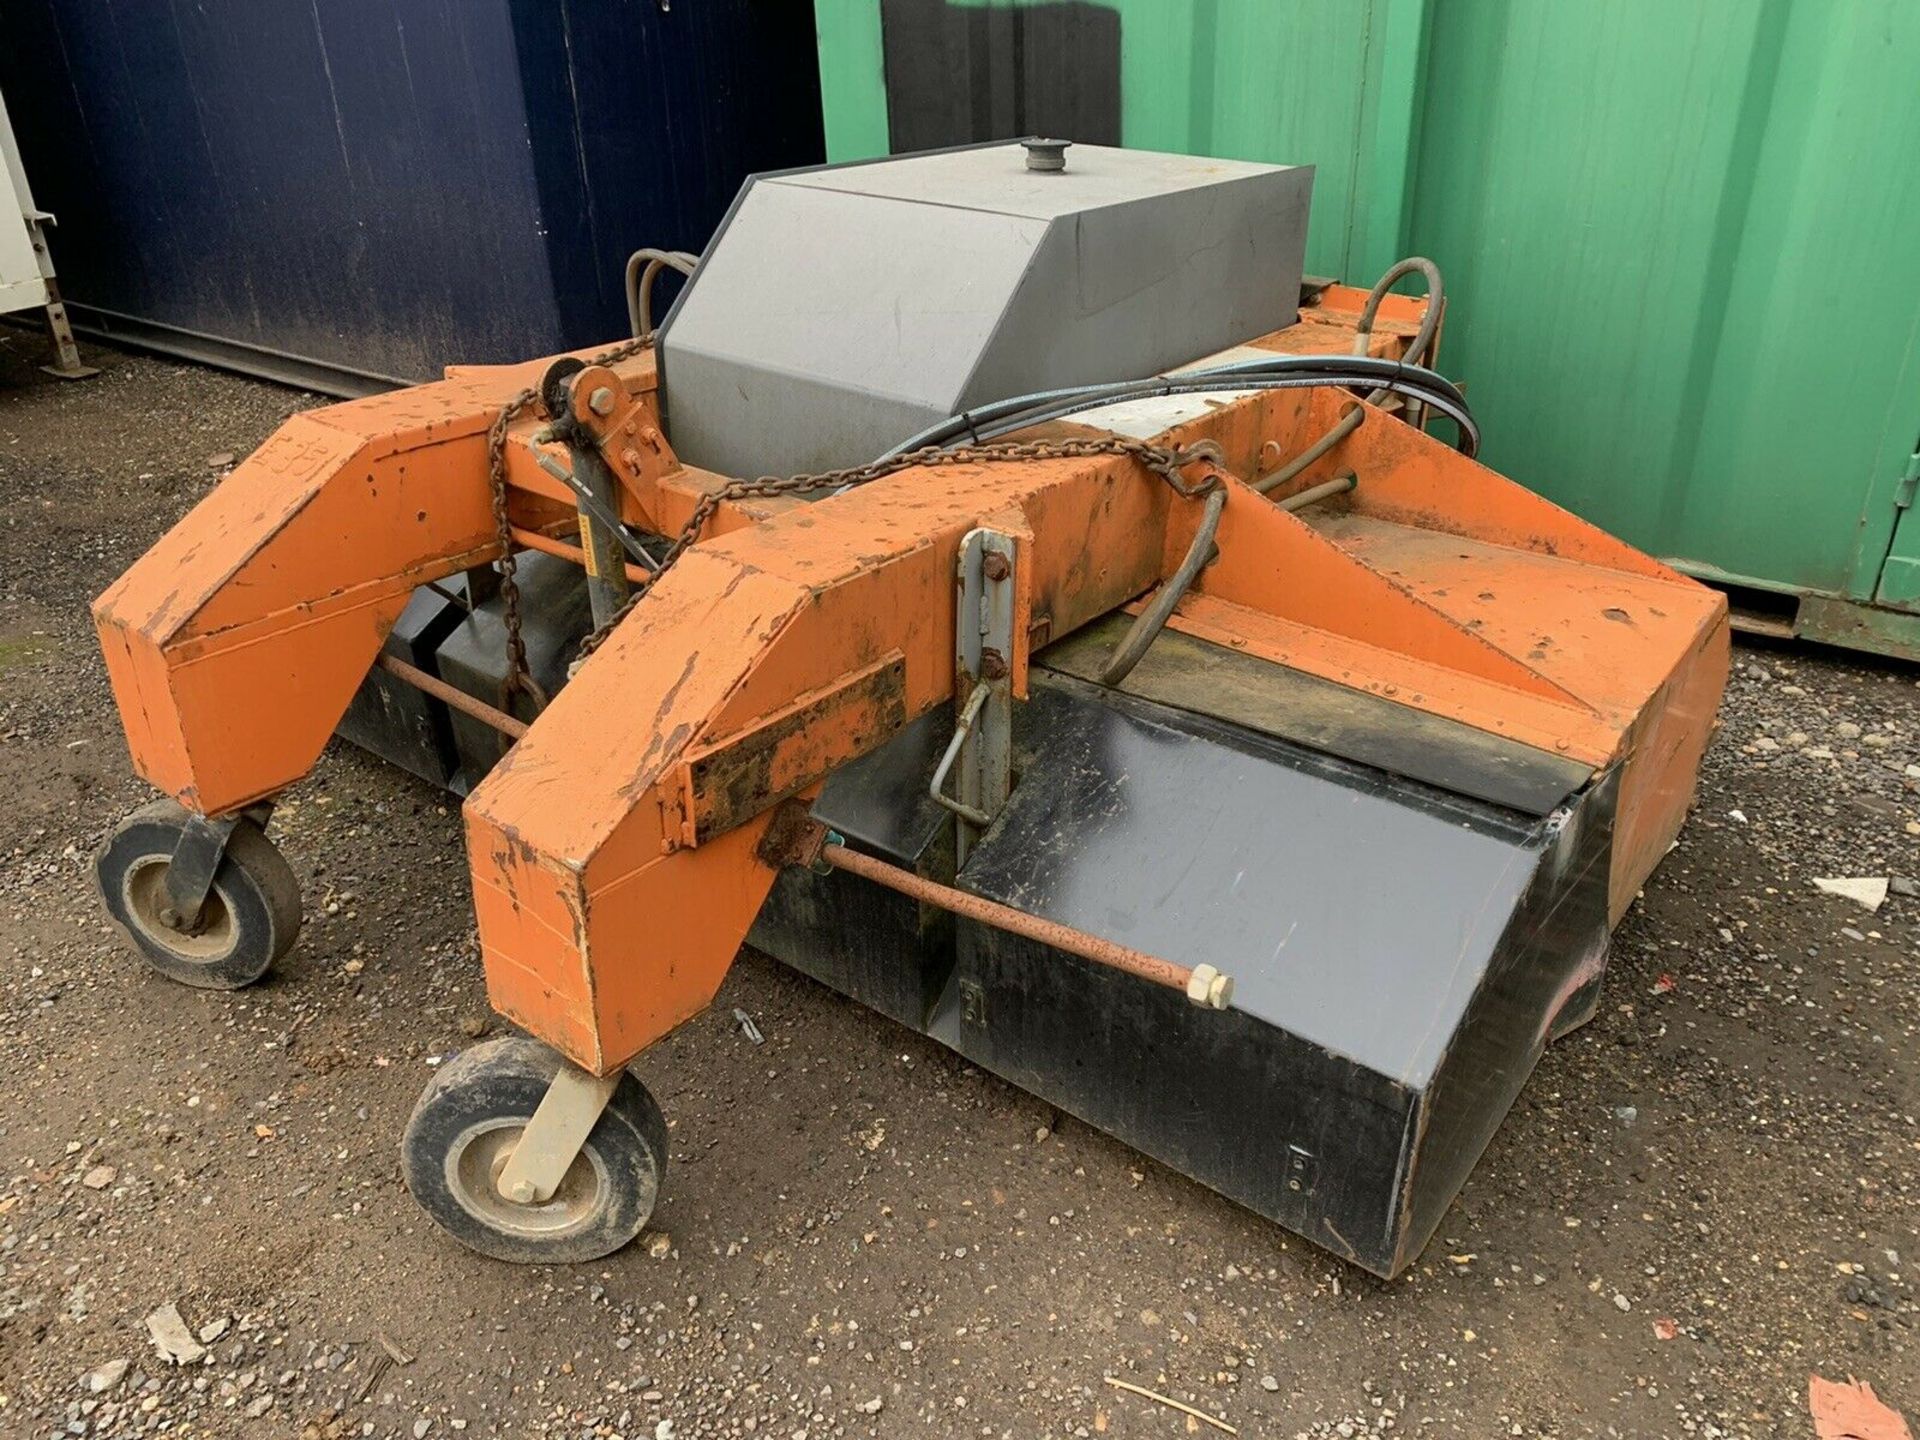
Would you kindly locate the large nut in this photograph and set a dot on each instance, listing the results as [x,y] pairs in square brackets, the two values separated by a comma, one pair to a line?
[1209,989]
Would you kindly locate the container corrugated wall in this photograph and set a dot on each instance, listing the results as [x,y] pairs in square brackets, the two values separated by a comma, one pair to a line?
[354,191]
[1680,238]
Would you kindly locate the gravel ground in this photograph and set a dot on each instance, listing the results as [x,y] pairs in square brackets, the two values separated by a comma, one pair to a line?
[1701,1197]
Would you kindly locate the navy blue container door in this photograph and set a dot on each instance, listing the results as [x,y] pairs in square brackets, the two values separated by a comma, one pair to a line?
[357,191]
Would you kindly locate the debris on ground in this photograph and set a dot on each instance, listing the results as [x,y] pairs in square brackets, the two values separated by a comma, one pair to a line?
[1189,1411]
[172,1338]
[1852,1412]
[1864,890]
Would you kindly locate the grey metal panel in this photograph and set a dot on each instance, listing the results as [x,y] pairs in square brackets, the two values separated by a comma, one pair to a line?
[841,309]
[1216,680]
[1403,957]
[1310,881]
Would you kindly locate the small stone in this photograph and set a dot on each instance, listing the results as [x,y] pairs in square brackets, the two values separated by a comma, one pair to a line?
[660,1245]
[1620,1302]
[220,461]
[1626,1114]
[1869,891]
[475,1026]
[1846,730]
[260,1406]
[213,1330]
[1756,672]
[172,1338]
[873,1406]
[103,1378]
[421,1426]
[1269,1384]
[99,1177]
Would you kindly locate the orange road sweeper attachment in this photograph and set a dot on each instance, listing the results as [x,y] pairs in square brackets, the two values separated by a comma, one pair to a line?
[1119,684]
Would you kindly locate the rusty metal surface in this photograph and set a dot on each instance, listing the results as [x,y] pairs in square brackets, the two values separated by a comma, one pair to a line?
[794,838]
[737,777]
[459,699]
[1051,933]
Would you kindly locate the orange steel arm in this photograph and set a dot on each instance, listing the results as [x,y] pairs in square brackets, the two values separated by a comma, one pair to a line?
[613,849]
[235,644]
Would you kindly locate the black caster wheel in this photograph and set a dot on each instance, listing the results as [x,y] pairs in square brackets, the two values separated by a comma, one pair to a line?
[249,919]
[464,1128]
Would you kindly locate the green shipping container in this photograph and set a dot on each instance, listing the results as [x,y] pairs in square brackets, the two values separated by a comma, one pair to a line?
[1680,236]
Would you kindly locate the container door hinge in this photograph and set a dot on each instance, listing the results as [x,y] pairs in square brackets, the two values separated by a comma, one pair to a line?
[1903,493]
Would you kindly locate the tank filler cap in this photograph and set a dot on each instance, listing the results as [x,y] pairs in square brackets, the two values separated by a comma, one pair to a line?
[1046,154]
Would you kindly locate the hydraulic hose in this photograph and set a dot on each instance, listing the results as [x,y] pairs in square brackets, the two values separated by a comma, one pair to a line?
[1446,402]
[1338,431]
[1148,624]
[643,268]
[1362,331]
[1338,371]
[1429,322]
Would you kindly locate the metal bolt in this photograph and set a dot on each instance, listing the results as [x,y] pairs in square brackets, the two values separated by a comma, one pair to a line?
[521,1192]
[1046,154]
[1209,989]
[169,917]
[996,566]
[601,401]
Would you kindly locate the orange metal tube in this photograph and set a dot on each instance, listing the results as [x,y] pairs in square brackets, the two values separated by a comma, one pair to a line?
[548,545]
[458,699]
[1002,917]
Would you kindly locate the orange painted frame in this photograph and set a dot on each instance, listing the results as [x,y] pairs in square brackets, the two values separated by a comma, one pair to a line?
[609,906]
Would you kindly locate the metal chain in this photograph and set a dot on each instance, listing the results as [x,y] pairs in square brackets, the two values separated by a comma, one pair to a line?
[1164,461]
[518,678]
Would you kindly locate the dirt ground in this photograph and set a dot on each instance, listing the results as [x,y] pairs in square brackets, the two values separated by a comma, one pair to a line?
[1701,1197]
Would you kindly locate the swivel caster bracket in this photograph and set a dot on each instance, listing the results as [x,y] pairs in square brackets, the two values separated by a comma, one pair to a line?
[196,860]
[554,1136]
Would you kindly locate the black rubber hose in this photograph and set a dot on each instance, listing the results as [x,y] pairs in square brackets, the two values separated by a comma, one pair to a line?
[1416,351]
[1429,322]
[1148,624]
[1343,371]
[1447,404]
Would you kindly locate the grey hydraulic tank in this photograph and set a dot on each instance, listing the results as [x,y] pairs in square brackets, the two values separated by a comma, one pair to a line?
[840,310]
